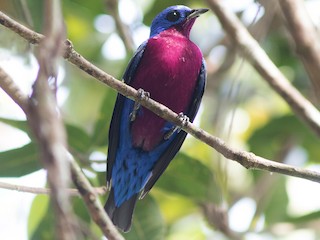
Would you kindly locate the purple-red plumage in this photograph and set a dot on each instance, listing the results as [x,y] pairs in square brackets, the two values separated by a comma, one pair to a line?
[168,71]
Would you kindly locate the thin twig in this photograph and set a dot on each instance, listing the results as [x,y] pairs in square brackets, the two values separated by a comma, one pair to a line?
[13,90]
[23,31]
[306,38]
[218,218]
[250,50]
[122,29]
[72,192]
[246,159]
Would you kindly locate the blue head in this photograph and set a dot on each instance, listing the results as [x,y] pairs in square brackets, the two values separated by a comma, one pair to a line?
[180,17]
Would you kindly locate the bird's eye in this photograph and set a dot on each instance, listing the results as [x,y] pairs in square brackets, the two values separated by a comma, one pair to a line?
[173,16]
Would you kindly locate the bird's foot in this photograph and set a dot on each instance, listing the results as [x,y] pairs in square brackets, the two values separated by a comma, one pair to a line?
[184,122]
[141,95]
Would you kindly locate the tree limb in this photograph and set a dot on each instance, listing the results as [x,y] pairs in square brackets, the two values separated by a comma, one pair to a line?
[47,125]
[246,159]
[123,29]
[13,91]
[250,50]
[306,37]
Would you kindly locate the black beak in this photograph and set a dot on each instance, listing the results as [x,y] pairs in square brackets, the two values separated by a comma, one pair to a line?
[197,12]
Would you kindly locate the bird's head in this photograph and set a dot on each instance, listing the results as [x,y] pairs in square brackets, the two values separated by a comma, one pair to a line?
[179,17]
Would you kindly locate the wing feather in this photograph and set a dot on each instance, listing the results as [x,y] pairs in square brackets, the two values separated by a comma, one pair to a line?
[116,116]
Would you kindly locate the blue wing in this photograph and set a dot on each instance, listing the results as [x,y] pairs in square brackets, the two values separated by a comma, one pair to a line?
[116,116]
[173,148]
[121,216]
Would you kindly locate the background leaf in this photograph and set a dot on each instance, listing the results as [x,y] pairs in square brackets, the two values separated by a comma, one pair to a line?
[148,222]
[101,128]
[78,139]
[268,140]
[190,178]
[41,220]
[20,161]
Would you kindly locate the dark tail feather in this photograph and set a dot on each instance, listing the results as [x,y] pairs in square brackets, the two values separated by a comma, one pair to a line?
[121,216]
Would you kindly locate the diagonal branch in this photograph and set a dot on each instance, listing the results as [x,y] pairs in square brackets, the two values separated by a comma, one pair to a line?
[123,29]
[13,91]
[250,50]
[246,159]
[306,37]
[93,203]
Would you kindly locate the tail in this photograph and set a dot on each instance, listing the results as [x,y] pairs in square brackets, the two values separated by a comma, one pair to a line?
[121,216]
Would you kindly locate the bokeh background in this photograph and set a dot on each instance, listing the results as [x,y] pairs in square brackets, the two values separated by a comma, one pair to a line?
[201,195]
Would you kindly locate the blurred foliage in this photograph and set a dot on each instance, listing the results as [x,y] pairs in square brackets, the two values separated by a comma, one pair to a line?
[148,222]
[40,219]
[262,123]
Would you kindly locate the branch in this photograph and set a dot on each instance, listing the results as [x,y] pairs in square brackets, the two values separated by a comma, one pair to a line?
[26,33]
[47,126]
[246,159]
[123,29]
[250,49]
[306,38]
[13,90]
[95,208]
[47,191]
[87,192]
[218,218]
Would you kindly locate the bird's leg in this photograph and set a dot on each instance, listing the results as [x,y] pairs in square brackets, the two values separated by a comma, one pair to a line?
[141,95]
[184,121]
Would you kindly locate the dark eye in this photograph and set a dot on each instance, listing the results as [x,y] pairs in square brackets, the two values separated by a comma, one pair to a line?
[173,16]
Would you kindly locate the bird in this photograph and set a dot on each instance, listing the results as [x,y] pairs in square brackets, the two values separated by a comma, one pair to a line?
[169,68]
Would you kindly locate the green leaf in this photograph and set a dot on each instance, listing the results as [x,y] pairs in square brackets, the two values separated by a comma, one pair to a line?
[269,140]
[19,124]
[80,209]
[20,161]
[276,202]
[40,222]
[78,139]
[305,218]
[147,222]
[189,177]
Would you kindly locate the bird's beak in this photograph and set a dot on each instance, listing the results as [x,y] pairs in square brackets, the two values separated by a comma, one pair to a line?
[197,12]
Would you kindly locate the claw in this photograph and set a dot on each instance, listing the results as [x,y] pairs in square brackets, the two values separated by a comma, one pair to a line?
[141,95]
[109,185]
[184,121]
[143,194]
[133,114]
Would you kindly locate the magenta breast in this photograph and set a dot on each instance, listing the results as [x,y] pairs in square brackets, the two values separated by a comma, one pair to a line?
[171,65]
